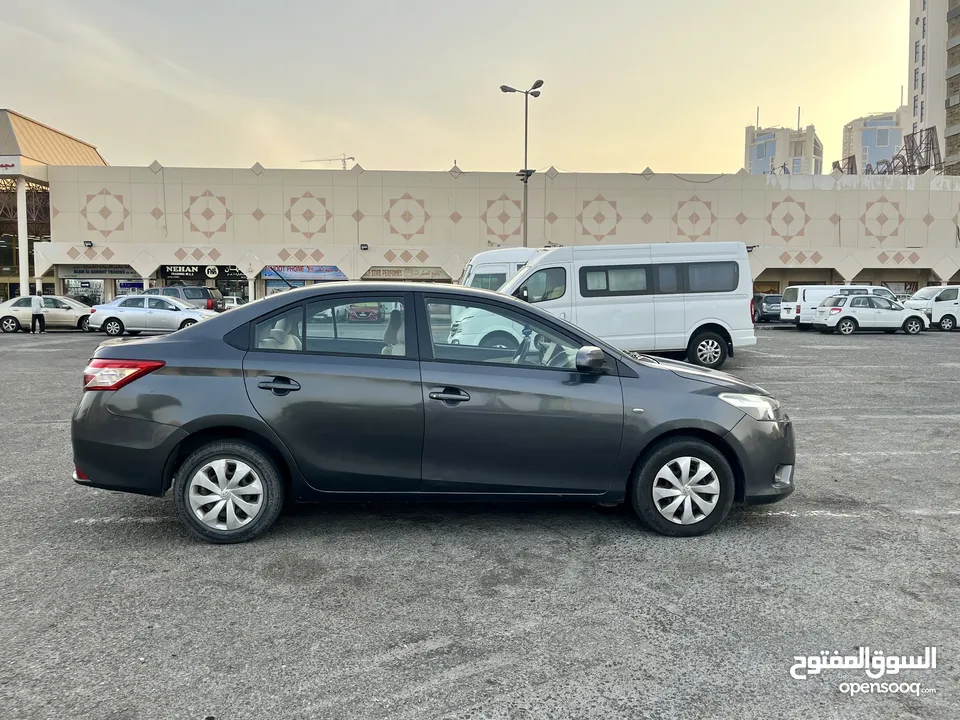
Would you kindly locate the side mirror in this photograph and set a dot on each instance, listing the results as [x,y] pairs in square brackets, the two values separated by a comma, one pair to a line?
[522,294]
[589,359]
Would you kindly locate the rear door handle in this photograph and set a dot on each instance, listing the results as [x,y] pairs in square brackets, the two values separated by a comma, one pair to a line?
[449,395]
[279,385]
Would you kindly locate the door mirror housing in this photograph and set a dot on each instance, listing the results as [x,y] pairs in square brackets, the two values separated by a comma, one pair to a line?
[522,294]
[590,359]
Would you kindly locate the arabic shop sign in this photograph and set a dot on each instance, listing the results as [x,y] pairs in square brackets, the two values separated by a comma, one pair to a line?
[9,165]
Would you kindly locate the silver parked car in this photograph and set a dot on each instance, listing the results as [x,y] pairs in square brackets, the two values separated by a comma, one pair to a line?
[138,313]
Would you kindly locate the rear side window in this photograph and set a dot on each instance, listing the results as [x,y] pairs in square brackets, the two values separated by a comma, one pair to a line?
[171,292]
[215,293]
[23,302]
[668,279]
[194,294]
[712,277]
[132,303]
[835,301]
[790,295]
[613,281]
[280,332]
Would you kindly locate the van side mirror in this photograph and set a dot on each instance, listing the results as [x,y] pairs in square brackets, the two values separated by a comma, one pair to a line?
[522,294]
[590,359]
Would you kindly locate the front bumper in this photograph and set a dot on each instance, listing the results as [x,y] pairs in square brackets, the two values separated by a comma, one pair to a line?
[120,453]
[767,455]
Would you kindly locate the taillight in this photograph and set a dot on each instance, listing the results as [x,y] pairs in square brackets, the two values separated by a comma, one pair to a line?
[79,474]
[114,374]
[751,308]
[798,309]
[834,311]
[209,303]
[92,310]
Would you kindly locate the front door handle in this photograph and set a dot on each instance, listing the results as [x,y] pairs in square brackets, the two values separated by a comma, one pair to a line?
[449,395]
[279,385]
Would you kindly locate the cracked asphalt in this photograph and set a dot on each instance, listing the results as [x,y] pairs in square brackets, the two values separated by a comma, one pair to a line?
[109,610]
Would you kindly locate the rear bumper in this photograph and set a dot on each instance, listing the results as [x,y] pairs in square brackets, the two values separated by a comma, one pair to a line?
[120,453]
[767,455]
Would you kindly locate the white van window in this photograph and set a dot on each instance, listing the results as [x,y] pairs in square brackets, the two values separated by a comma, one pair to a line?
[790,295]
[948,294]
[614,281]
[668,280]
[488,281]
[712,277]
[546,284]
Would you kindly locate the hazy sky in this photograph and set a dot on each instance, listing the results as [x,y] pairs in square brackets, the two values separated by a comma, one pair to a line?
[414,84]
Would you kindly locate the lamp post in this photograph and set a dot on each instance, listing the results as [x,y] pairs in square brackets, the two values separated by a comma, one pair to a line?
[525,173]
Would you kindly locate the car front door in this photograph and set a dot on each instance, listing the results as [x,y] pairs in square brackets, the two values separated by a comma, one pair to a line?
[344,396]
[886,314]
[504,420]
[162,316]
[133,314]
[862,311]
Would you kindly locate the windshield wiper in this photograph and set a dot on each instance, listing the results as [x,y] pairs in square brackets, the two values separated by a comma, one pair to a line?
[277,272]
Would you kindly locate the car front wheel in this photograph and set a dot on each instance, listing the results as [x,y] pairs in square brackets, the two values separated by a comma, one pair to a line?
[912,326]
[187,323]
[228,492]
[684,488]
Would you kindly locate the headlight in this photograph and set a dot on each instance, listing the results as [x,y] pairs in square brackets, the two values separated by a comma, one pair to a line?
[756,406]
[928,311]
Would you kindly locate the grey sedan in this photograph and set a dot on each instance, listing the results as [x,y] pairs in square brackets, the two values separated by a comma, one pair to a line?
[286,398]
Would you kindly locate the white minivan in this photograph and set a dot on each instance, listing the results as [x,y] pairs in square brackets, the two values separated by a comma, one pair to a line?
[799,303]
[941,305]
[492,268]
[669,297]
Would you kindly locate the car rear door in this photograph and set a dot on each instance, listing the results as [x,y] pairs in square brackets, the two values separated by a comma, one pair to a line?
[55,314]
[500,420]
[351,414]
[132,313]
[862,310]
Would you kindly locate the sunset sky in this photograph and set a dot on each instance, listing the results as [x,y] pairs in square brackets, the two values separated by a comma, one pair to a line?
[414,85]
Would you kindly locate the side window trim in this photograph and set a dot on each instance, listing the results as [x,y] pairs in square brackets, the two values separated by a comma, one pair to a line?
[586,269]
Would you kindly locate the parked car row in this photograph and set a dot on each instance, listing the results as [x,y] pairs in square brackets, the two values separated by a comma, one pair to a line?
[134,314]
[847,314]
[59,312]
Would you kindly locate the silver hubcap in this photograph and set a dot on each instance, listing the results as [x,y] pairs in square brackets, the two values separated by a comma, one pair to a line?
[9,325]
[84,323]
[113,328]
[946,324]
[846,327]
[226,494]
[686,490]
[913,326]
[708,351]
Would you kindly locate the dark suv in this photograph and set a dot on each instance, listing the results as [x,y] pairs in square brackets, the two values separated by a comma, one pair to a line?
[199,296]
[766,307]
[285,397]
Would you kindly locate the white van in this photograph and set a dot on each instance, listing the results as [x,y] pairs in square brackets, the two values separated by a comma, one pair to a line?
[799,303]
[492,268]
[940,303]
[670,297]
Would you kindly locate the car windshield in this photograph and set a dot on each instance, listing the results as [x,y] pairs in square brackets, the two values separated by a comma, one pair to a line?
[927,293]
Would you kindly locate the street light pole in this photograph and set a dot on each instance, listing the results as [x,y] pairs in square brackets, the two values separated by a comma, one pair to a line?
[525,173]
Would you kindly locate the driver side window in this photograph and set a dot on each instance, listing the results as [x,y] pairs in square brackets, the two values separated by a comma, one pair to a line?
[546,284]
[483,333]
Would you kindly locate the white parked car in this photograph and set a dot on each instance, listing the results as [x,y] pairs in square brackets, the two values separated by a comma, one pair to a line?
[670,297]
[231,301]
[847,314]
[58,312]
[137,313]
[940,304]
[799,302]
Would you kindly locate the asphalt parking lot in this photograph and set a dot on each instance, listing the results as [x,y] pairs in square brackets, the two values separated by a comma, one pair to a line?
[432,611]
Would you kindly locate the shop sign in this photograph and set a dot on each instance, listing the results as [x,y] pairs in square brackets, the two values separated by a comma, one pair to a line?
[9,165]
[100,272]
[406,273]
[303,272]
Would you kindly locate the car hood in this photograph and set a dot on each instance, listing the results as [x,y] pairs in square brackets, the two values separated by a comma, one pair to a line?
[700,374]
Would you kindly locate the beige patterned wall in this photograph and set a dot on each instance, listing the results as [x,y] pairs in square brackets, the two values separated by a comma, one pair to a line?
[153,216]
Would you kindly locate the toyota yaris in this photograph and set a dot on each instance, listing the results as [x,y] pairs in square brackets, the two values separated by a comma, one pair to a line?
[286,397]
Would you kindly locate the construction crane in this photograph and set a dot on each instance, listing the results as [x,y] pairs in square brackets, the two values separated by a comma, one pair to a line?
[341,158]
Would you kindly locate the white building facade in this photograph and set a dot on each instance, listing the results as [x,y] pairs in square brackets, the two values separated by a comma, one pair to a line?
[926,89]
[782,151]
[875,138]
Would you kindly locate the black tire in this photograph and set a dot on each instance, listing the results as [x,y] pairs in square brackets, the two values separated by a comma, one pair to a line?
[134,332]
[186,324]
[847,326]
[707,349]
[265,469]
[84,324]
[9,324]
[756,318]
[912,325]
[641,493]
[948,323]
[500,340]
[112,327]
[803,326]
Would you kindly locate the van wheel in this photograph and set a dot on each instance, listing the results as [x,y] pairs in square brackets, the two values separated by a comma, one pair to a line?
[708,350]
[500,340]
[684,488]
[947,323]
[228,492]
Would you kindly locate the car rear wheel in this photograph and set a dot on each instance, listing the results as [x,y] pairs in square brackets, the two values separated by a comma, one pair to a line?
[113,327]
[948,323]
[228,492]
[708,350]
[846,326]
[684,488]
[912,326]
[187,323]
[9,324]
[500,340]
